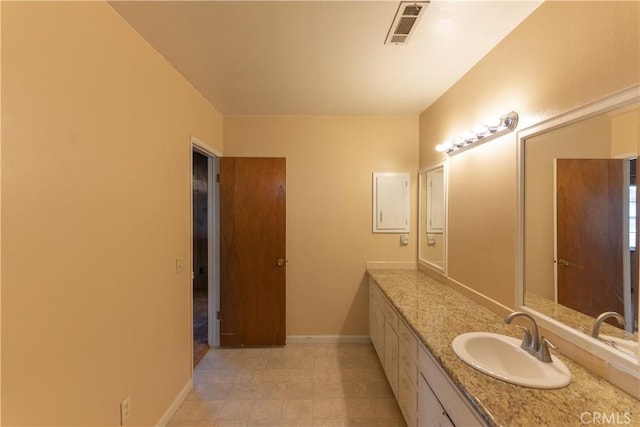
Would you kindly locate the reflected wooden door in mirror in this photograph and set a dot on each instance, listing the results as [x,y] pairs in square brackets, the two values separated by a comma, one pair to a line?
[589,238]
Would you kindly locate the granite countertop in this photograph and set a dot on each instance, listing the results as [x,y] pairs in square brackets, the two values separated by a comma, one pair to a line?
[438,313]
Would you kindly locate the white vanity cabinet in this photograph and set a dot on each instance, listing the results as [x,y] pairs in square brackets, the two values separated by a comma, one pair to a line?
[376,320]
[440,404]
[391,355]
[397,348]
[408,374]
[425,394]
[430,411]
[383,325]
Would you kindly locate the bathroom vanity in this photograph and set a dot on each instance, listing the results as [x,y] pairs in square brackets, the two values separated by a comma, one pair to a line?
[413,319]
[411,370]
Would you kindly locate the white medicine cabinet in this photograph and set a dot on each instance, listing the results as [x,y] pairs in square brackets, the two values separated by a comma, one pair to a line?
[391,202]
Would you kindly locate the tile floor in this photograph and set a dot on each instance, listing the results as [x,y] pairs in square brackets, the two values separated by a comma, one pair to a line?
[296,385]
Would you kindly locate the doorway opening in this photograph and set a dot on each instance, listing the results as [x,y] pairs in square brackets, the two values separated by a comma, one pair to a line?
[200,256]
[205,249]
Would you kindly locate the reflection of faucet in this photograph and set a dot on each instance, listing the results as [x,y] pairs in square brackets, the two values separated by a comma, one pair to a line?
[604,316]
[530,343]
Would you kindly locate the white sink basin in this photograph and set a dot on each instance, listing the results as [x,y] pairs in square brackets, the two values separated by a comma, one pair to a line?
[625,346]
[501,357]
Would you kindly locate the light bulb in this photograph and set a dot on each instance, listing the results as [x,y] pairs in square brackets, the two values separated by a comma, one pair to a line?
[481,131]
[444,147]
[469,137]
[493,124]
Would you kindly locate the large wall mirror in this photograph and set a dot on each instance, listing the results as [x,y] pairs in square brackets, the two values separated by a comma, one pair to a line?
[578,219]
[432,243]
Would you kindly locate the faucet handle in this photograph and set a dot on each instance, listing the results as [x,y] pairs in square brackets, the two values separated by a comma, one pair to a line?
[543,350]
[527,341]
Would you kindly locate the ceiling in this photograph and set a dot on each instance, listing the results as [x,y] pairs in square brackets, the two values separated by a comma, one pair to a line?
[320,57]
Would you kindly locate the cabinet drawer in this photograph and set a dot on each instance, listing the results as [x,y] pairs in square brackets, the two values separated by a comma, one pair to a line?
[408,399]
[408,365]
[375,296]
[391,315]
[408,339]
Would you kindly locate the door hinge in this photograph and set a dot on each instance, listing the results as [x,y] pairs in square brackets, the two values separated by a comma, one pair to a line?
[217,177]
[217,315]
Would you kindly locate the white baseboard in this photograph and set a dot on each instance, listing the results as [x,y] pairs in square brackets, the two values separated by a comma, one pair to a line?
[166,417]
[391,265]
[328,339]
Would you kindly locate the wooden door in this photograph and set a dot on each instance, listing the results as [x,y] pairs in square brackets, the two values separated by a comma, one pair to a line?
[590,249]
[252,251]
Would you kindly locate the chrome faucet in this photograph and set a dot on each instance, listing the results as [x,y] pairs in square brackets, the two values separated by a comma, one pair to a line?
[604,316]
[538,349]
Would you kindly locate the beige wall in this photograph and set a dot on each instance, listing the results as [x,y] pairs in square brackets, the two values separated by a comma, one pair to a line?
[564,55]
[329,165]
[625,132]
[95,211]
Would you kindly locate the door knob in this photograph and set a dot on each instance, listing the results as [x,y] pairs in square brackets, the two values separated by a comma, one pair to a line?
[564,262]
[281,261]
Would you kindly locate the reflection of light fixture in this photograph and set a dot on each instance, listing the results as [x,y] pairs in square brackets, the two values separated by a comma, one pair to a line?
[493,124]
[469,137]
[493,128]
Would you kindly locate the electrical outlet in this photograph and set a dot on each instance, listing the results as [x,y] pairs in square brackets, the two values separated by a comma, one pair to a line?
[179,265]
[125,409]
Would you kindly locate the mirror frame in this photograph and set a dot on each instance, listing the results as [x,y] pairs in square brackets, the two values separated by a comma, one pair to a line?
[584,341]
[422,227]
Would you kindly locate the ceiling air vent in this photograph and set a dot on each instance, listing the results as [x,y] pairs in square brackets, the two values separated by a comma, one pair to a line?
[405,21]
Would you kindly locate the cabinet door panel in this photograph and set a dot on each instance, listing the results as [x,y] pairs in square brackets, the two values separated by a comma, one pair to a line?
[391,358]
[376,319]
[377,330]
[430,411]
[407,398]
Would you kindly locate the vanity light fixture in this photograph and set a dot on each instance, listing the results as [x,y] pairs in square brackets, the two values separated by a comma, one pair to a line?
[493,128]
